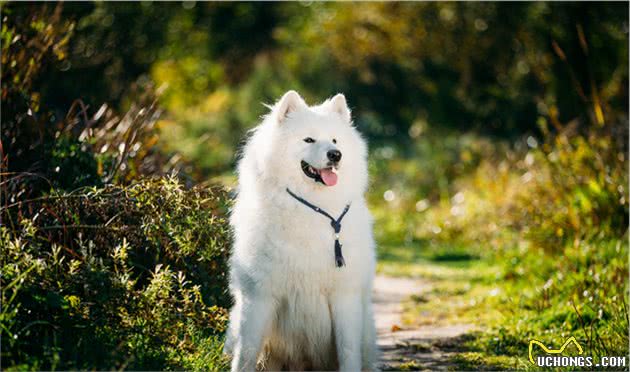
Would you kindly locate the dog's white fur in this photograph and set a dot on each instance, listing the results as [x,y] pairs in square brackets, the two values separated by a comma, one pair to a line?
[294,309]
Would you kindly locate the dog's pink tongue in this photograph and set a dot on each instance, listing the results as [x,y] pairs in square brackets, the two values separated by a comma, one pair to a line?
[329,178]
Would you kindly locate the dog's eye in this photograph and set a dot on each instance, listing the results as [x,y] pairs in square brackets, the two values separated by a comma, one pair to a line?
[309,140]
[334,141]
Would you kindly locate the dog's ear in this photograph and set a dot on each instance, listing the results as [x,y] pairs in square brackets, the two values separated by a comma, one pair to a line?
[289,102]
[339,106]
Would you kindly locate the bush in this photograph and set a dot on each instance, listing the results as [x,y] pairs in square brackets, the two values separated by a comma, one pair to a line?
[44,146]
[116,277]
[573,187]
[569,186]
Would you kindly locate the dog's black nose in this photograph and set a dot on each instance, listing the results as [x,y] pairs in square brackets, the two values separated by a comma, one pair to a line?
[334,155]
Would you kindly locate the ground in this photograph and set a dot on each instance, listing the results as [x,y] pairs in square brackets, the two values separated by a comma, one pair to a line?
[431,304]
[410,347]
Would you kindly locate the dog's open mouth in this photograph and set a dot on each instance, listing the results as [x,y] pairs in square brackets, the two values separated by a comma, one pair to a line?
[327,176]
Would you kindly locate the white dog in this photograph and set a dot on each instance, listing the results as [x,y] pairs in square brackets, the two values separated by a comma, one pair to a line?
[303,262]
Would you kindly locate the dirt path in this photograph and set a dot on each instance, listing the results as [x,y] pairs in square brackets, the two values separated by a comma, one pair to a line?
[422,348]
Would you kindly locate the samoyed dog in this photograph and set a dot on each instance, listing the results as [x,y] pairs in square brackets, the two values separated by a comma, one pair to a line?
[303,262]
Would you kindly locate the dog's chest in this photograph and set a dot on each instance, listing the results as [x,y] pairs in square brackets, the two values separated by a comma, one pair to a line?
[304,230]
[300,244]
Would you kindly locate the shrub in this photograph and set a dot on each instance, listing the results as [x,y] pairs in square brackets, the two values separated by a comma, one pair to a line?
[116,277]
[44,146]
[570,187]
[573,187]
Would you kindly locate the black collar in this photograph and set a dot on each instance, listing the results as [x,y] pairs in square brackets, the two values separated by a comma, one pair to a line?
[335,223]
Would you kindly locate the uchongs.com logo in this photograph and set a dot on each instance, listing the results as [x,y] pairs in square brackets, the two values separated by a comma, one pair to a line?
[553,357]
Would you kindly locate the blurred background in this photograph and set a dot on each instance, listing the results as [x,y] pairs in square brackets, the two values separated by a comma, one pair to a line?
[498,156]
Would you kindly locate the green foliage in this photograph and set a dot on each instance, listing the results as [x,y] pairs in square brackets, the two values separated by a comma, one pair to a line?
[30,39]
[577,187]
[93,276]
[43,150]
[75,164]
[117,277]
[489,68]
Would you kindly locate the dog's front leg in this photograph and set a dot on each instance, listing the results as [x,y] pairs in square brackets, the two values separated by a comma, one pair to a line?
[255,315]
[348,321]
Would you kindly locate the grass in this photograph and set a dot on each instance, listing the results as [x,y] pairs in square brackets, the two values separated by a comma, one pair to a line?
[508,310]
[423,258]
[462,285]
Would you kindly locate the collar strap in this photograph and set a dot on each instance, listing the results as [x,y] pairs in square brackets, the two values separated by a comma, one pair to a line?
[335,223]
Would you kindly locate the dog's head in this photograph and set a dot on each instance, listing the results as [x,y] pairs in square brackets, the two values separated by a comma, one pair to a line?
[315,147]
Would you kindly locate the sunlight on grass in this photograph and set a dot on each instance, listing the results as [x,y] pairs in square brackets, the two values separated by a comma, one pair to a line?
[416,261]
